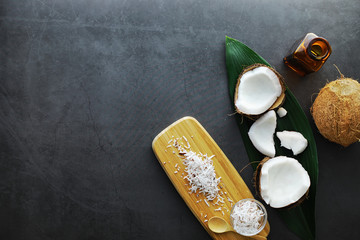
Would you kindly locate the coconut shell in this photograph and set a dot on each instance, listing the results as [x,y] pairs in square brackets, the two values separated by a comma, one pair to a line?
[257,185]
[279,101]
[257,176]
[336,111]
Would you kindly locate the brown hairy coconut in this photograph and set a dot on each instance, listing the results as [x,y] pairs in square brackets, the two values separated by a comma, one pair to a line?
[259,88]
[336,111]
[285,186]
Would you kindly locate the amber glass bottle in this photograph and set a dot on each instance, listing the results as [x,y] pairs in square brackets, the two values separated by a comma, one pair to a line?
[309,54]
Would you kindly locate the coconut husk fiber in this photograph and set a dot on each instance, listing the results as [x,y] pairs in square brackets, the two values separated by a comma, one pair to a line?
[336,111]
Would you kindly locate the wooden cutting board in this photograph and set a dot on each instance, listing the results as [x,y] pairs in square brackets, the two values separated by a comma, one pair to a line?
[189,133]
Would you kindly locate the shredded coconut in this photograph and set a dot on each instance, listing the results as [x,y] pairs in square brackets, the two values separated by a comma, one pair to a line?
[200,170]
[247,217]
[220,199]
[218,209]
[201,175]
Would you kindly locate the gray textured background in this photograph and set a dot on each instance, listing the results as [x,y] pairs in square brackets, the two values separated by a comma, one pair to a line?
[86,86]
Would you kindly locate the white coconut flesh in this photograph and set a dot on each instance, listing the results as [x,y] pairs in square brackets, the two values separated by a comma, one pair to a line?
[283,181]
[261,133]
[281,112]
[292,140]
[257,91]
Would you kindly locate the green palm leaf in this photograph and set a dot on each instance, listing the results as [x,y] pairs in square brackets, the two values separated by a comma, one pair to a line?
[301,219]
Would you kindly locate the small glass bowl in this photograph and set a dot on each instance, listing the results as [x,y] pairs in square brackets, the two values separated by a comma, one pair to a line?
[263,220]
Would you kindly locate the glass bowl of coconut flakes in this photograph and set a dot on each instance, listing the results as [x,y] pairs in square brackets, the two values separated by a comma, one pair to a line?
[248,217]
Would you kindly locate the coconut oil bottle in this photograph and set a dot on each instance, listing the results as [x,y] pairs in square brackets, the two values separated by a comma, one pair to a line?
[308,55]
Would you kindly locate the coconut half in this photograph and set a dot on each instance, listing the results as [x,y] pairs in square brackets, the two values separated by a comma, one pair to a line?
[292,140]
[282,181]
[258,89]
[261,133]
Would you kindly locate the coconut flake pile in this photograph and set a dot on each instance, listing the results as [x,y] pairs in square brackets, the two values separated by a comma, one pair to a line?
[247,218]
[201,174]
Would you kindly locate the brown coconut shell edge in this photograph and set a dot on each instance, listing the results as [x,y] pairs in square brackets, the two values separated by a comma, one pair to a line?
[279,101]
[258,187]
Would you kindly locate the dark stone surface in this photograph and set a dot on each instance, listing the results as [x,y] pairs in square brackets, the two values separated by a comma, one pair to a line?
[87,85]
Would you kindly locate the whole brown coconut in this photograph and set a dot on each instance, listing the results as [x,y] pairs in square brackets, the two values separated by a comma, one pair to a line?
[336,111]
